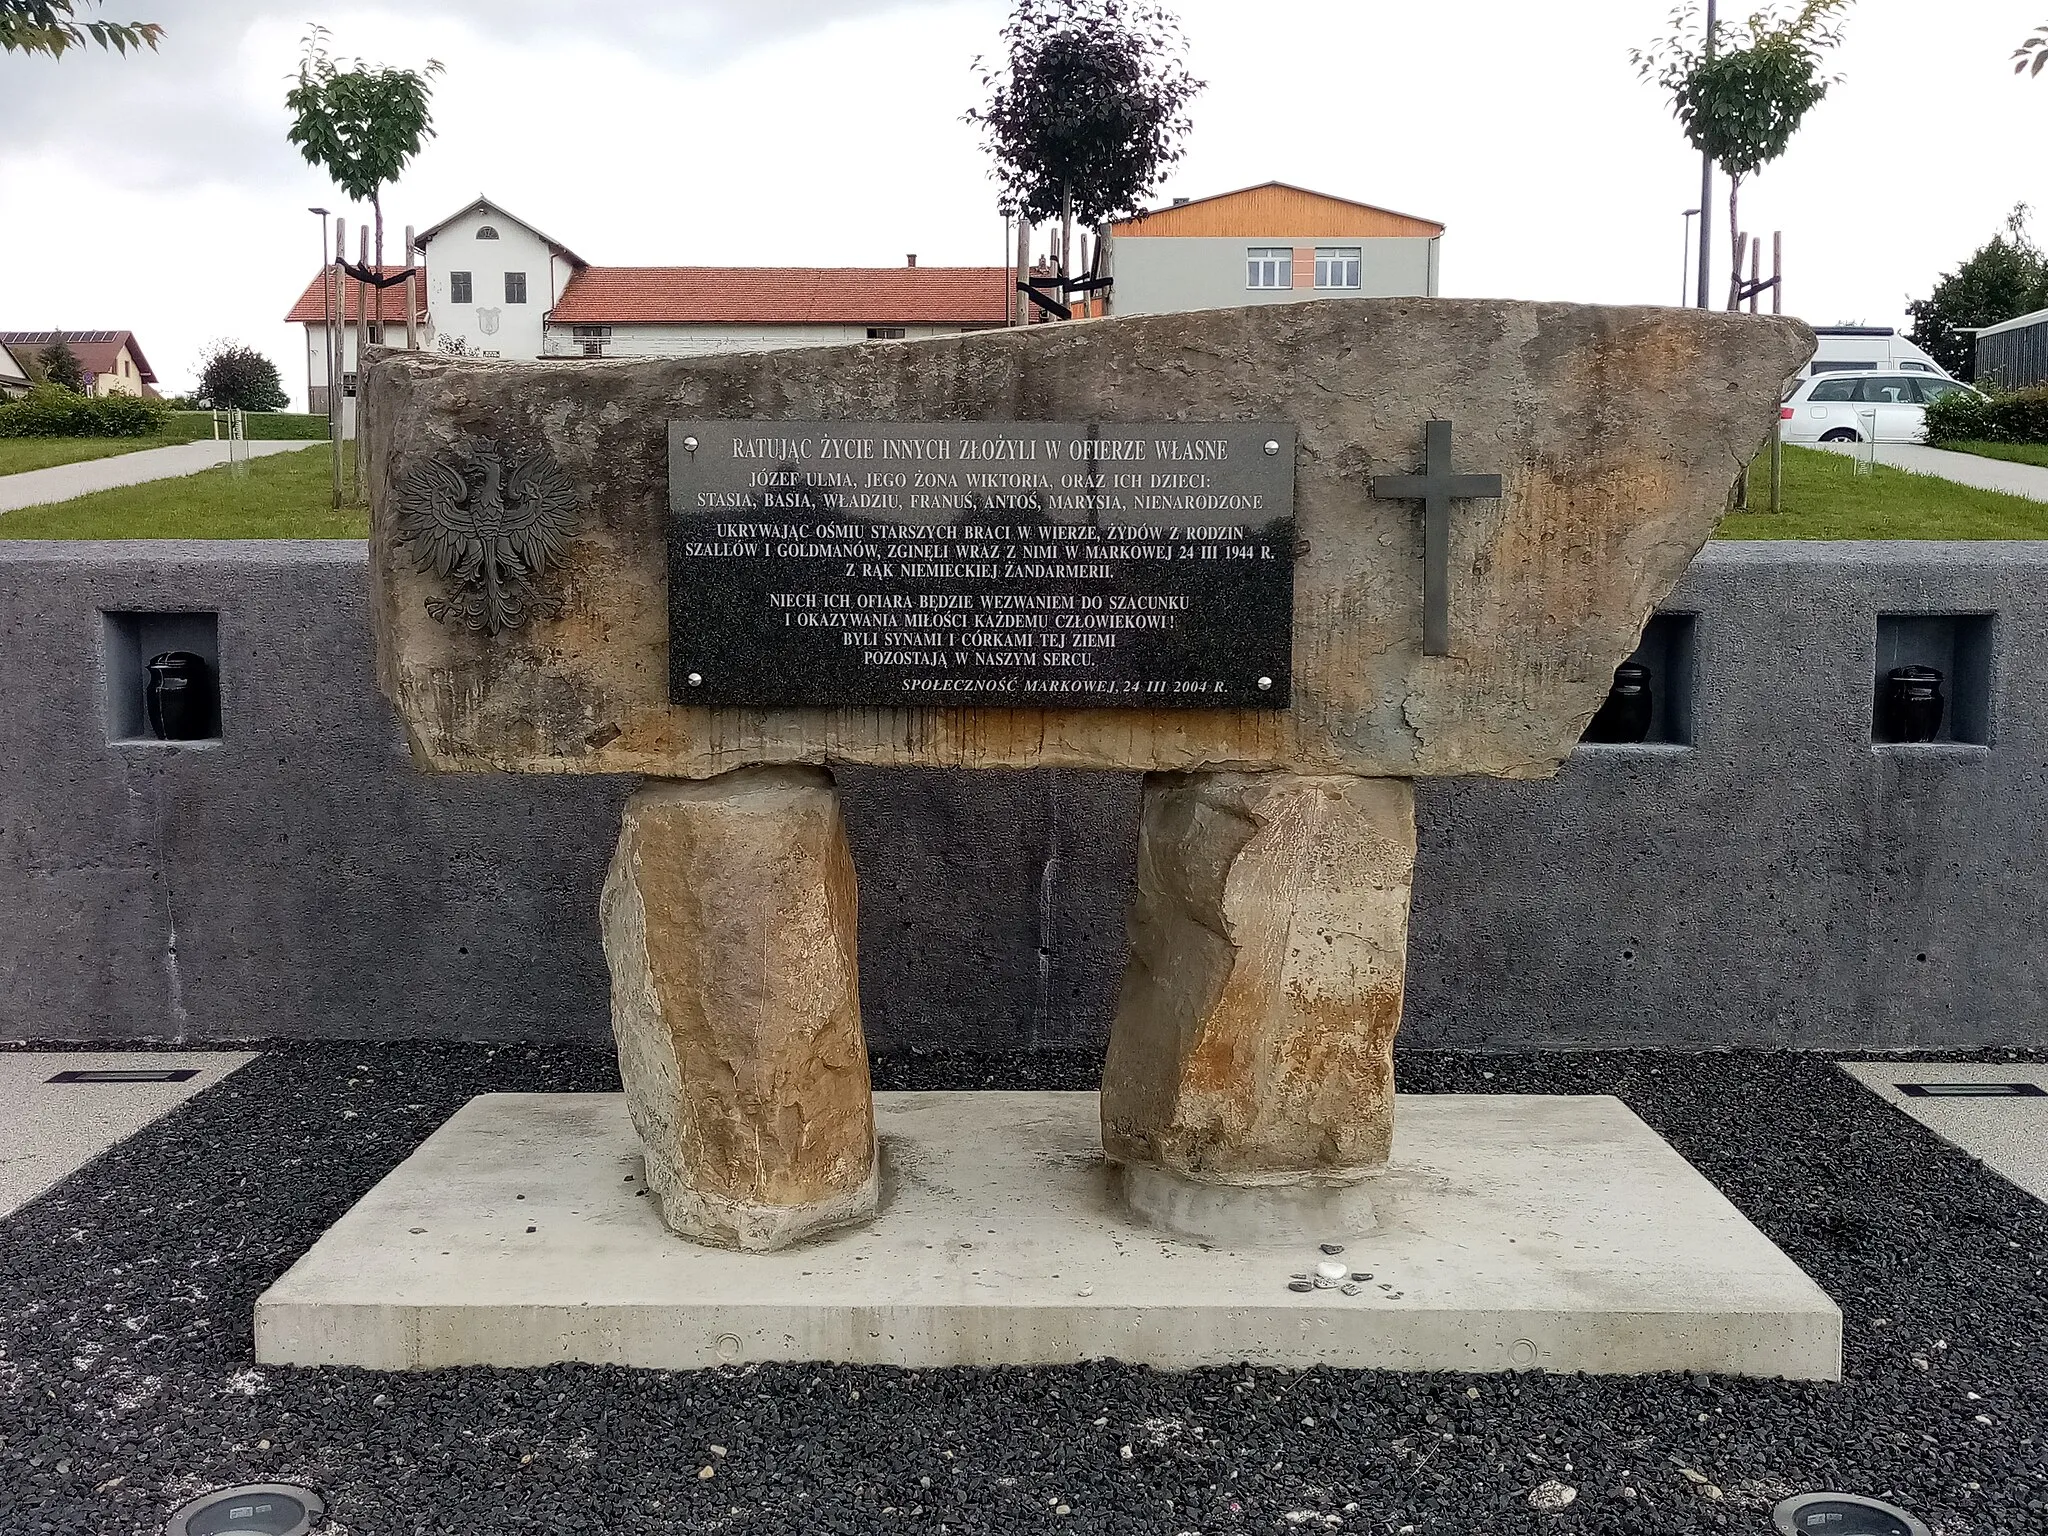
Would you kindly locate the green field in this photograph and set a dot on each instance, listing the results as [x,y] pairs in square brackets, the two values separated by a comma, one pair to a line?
[1825,498]
[2016,453]
[284,496]
[20,454]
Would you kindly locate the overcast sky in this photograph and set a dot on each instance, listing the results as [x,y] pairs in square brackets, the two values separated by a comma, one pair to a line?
[158,193]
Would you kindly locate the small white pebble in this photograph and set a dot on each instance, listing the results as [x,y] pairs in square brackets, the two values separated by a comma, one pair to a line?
[1125,1453]
[706,1472]
[1473,1393]
[1099,1423]
[1061,1509]
[718,1450]
[526,1460]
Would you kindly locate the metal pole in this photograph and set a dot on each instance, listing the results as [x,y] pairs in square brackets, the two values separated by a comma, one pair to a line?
[1707,179]
[1685,261]
[334,304]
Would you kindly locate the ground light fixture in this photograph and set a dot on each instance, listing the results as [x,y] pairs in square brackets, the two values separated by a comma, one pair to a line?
[254,1509]
[1842,1514]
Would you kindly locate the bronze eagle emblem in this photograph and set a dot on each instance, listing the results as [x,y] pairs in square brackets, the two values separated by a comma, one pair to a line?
[493,522]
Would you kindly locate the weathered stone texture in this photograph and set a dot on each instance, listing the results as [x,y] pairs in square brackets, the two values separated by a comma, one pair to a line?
[1619,433]
[1254,1038]
[729,919]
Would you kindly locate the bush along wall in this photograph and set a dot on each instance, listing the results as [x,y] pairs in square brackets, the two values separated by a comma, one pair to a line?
[49,410]
[2020,416]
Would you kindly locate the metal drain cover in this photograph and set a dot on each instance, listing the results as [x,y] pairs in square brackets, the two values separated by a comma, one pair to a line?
[1843,1514]
[126,1075]
[255,1509]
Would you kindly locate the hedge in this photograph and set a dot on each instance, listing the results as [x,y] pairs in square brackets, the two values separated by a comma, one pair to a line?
[50,410]
[1962,417]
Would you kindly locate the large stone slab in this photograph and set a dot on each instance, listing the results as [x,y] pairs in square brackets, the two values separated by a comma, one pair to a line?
[1619,433]
[729,921]
[1254,1040]
[1517,1232]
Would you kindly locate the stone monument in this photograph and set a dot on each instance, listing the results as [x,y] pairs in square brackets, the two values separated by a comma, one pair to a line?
[1284,560]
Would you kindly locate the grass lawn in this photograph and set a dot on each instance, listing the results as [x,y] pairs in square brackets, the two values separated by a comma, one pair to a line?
[21,454]
[2017,453]
[285,496]
[1826,499]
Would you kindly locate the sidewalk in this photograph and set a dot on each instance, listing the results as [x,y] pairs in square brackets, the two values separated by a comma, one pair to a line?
[2028,480]
[65,481]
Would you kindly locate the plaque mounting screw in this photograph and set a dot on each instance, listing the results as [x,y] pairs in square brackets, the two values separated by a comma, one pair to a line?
[1272,445]
[690,444]
[695,679]
[1265,685]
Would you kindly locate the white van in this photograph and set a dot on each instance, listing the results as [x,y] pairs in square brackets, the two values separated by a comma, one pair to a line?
[1867,349]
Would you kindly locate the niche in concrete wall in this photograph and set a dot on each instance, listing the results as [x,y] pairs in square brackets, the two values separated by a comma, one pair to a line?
[1959,647]
[128,641]
[1667,653]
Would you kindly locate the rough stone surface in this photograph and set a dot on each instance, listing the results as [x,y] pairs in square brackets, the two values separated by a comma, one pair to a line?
[1619,433]
[1254,1039]
[729,920]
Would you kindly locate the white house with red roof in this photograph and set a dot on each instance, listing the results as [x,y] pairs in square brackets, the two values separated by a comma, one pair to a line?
[111,361]
[386,312]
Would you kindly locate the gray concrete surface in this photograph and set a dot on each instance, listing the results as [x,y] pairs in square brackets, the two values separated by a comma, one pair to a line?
[1780,881]
[37,487]
[1516,1231]
[2028,480]
[52,1130]
[2008,1135]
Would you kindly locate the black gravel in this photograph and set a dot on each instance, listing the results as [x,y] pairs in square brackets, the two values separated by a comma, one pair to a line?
[127,1383]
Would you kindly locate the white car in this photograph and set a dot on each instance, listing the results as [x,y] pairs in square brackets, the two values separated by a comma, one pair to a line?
[1855,407]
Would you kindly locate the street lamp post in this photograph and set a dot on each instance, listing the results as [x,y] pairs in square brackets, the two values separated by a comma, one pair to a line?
[1707,179]
[1685,261]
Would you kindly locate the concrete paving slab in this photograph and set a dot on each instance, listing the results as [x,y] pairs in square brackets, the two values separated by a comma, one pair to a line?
[1517,1231]
[2008,1134]
[2028,480]
[54,1129]
[62,482]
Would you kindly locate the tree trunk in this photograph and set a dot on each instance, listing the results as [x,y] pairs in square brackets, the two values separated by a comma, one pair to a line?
[1066,234]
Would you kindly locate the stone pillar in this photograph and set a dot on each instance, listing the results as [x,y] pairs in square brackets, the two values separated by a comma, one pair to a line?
[728,921]
[1253,1044]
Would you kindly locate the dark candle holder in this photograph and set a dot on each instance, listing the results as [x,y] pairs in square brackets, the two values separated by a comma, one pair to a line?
[179,700]
[1913,703]
[1624,718]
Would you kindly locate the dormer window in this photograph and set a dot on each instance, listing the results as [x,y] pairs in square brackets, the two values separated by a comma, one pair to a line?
[487,232]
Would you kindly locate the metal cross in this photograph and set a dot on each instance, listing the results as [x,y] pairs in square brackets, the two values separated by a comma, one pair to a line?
[1436,488]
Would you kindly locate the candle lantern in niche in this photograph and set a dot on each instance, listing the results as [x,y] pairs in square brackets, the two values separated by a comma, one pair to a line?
[1913,703]
[179,698]
[1625,717]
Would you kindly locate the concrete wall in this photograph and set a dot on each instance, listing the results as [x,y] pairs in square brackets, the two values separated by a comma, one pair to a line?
[1165,274]
[1780,880]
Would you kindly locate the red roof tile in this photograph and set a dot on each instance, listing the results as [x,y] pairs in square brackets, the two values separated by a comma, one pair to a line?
[388,305]
[785,296]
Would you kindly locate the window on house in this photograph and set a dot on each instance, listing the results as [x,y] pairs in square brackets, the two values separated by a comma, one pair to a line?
[591,338]
[1338,266]
[1269,266]
[885,333]
[348,385]
[515,287]
[458,288]
[376,335]
[487,233]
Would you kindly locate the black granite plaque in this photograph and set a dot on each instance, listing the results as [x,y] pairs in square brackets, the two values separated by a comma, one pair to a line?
[1010,564]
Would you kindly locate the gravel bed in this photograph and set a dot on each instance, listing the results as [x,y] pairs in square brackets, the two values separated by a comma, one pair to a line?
[127,1383]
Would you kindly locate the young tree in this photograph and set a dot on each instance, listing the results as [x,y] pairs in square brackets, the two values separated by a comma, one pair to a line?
[1087,110]
[2005,277]
[60,366]
[235,377]
[1741,106]
[362,125]
[49,27]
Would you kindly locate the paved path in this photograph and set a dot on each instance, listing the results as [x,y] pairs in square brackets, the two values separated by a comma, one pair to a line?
[64,481]
[2028,480]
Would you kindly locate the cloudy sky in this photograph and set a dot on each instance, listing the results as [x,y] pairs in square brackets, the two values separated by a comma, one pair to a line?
[158,193]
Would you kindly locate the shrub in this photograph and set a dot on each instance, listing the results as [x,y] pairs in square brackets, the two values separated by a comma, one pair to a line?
[49,410]
[2018,417]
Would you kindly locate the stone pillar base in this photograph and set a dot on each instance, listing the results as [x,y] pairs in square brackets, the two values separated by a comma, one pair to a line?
[1247,1215]
[1253,1043]
[729,917]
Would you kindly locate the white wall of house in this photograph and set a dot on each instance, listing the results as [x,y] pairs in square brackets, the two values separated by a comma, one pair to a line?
[492,321]
[316,366]
[1161,274]
[703,340]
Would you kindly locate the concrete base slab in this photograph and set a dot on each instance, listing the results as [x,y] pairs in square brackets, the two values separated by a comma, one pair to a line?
[2008,1134]
[1514,1232]
[55,1129]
